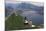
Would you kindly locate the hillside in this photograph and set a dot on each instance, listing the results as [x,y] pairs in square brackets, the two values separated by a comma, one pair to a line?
[14,22]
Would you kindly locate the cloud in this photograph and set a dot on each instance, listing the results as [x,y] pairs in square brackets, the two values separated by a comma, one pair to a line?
[32,13]
[37,3]
[27,0]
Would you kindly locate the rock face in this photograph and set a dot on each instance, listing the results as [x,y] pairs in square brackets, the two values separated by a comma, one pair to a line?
[30,23]
[27,23]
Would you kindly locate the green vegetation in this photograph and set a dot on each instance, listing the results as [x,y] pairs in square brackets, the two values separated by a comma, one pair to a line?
[14,22]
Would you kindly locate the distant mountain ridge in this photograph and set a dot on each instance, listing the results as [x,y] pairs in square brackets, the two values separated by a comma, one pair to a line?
[22,6]
[29,7]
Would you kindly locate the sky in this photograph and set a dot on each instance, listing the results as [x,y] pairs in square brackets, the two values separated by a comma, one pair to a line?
[26,0]
[35,2]
[39,3]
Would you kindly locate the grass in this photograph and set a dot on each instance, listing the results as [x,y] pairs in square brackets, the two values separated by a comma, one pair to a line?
[14,22]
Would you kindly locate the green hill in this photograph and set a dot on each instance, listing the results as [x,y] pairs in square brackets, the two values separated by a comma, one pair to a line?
[14,22]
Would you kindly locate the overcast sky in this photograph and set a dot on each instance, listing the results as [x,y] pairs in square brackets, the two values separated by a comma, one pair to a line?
[26,0]
[35,2]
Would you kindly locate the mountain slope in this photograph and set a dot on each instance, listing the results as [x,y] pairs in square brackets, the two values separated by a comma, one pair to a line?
[14,22]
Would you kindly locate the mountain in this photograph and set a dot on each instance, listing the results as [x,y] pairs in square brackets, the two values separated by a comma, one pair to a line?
[28,10]
[22,6]
[14,22]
